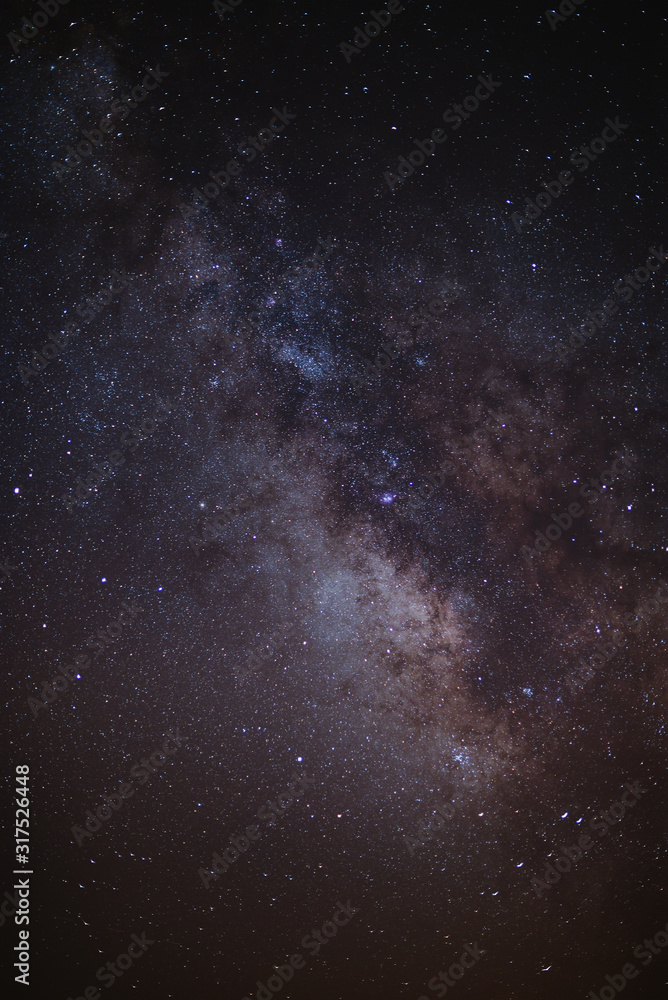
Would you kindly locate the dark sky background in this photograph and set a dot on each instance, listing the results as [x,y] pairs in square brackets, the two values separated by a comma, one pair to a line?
[414,657]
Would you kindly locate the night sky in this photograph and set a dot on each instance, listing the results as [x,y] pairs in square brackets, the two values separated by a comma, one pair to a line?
[334,491]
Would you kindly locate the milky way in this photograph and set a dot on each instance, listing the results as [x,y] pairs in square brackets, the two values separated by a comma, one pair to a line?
[337,476]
